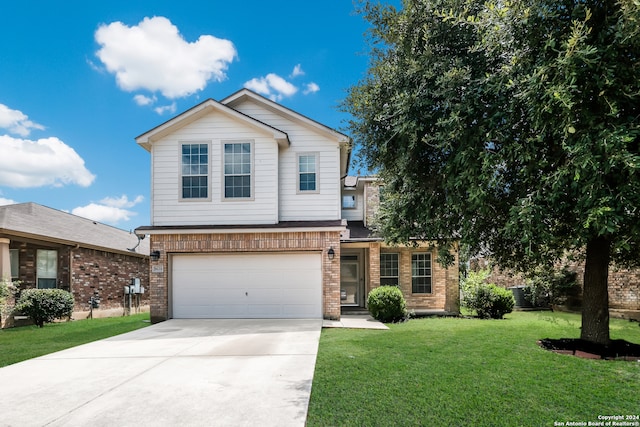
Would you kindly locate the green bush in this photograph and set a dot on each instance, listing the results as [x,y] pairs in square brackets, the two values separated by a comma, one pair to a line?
[387,304]
[549,286]
[487,300]
[45,305]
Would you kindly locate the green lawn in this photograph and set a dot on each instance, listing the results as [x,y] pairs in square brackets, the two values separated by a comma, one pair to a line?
[26,342]
[468,372]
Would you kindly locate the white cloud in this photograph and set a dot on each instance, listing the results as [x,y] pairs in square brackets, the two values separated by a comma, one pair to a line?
[122,201]
[16,121]
[272,85]
[154,56]
[311,88]
[4,201]
[143,100]
[110,210]
[171,108]
[297,71]
[47,161]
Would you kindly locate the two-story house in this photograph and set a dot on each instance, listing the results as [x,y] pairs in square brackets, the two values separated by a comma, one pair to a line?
[247,208]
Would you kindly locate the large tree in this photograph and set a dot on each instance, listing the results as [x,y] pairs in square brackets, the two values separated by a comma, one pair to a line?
[512,127]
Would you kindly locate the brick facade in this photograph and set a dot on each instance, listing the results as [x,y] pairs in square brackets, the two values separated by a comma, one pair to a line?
[250,242]
[624,285]
[84,271]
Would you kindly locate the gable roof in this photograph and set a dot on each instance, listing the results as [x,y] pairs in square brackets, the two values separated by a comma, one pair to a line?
[200,110]
[246,94]
[343,140]
[34,221]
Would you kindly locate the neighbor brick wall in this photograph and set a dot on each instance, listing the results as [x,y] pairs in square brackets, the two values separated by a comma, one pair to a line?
[83,271]
[624,284]
[318,241]
[107,273]
[372,201]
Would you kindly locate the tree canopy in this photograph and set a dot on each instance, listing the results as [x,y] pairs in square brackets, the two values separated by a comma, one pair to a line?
[512,127]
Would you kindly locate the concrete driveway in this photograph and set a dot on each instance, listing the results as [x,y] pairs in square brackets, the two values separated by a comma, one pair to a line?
[176,373]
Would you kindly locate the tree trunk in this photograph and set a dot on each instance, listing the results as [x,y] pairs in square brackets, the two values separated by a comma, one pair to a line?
[595,295]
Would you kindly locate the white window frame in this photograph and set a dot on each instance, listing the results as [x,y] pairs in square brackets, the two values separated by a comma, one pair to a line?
[397,276]
[46,266]
[183,175]
[251,197]
[316,172]
[421,276]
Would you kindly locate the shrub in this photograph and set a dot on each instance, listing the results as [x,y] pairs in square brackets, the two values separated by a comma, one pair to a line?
[387,304]
[487,300]
[548,286]
[45,305]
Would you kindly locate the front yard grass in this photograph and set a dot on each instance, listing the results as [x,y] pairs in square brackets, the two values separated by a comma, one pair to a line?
[26,342]
[469,372]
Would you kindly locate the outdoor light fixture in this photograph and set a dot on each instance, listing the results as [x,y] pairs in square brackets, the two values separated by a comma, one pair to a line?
[331,253]
[155,255]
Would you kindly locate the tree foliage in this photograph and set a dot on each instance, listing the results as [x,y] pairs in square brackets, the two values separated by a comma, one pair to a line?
[510,126]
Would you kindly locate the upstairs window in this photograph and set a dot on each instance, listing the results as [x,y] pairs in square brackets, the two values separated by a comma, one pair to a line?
[389,269]
[307,173]
[237,170]
[349,201]
[195,171]
[421,273]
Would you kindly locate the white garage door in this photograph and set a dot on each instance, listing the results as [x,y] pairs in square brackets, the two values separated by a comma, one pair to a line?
[283,285]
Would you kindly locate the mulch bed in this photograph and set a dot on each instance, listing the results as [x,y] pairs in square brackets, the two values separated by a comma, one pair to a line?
[616,350]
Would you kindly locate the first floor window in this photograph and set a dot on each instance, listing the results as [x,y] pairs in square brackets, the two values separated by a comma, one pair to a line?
[389,269]
[14,255]
[46,268]
[195,171]
[237,170]
[421,273]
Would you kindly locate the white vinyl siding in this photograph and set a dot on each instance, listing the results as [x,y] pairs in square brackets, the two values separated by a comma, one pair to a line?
[293,204]
[167,206]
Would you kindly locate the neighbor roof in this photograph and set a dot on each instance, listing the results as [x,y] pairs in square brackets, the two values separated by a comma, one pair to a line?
[34,221]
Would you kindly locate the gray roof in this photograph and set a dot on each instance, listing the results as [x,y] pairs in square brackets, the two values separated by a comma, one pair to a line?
[34,221]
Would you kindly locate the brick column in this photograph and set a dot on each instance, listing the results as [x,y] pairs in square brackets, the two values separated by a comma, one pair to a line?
[374,266]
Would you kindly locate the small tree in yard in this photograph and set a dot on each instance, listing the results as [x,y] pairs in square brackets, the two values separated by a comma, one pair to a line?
[45,305]
[512,127]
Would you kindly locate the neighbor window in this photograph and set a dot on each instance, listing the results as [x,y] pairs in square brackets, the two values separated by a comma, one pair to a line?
[421,273]
[307,172]
[237,170]
[195,171]
[389,269]
[349,201]
[14,256]
[46,268]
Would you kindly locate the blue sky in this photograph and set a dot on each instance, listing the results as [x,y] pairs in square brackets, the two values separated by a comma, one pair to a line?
[79,80]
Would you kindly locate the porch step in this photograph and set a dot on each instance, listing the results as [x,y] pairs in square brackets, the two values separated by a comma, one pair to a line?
[345,311]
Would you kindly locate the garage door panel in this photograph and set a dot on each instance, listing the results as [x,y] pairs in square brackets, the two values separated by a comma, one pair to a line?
[247,285]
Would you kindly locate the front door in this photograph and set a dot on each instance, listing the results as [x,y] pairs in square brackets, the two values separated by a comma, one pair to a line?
[350,280]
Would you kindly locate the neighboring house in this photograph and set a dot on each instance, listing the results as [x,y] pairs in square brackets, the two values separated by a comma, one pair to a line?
[42,247]
[247,218]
